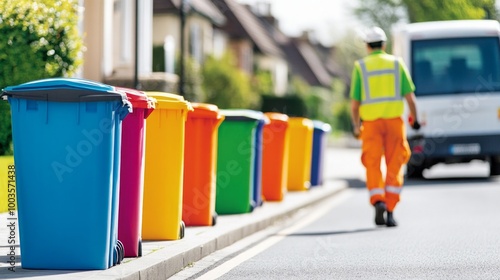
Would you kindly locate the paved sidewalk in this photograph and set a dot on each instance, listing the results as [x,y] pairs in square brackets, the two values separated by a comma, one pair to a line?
[162,259]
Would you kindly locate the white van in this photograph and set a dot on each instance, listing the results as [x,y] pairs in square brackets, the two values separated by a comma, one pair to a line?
[456,69]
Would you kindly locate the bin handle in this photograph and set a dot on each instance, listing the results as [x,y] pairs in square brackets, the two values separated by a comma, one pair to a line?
[129,109]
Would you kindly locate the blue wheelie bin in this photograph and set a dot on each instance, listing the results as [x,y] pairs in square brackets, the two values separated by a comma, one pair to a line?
[257,193]
[320,138]
[66,135]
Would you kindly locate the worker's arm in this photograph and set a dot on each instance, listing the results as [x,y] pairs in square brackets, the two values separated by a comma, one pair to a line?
[411,100]
[356,122]
[355,100]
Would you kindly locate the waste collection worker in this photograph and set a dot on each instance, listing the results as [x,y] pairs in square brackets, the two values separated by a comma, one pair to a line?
[380,82]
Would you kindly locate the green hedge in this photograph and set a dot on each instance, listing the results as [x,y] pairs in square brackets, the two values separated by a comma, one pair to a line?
[292,105]
[38,39]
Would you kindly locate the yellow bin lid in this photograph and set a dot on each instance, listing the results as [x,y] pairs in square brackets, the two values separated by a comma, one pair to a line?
[166,100]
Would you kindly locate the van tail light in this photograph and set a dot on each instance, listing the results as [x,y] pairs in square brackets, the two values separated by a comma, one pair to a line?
[418,149]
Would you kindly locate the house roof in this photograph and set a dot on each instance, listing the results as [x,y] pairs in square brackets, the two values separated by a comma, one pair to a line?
[327,54]
[203,7]
[306,63]
[303,58]
[242,23]
[314,62]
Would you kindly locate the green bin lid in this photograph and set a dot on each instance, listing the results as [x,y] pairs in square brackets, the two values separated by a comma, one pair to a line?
[64,90]
[243,115]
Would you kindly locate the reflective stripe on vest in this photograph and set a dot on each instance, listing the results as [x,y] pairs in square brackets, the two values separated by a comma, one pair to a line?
[367,74]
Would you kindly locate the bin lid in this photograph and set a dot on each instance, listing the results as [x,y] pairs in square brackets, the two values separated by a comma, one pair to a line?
[139,99]
[64,90]
[243,115]
[204,110]
[321,126]
[277,116]
[166,100]
[300,121]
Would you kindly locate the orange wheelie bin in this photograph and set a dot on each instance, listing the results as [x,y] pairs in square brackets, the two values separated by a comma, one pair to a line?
[200,162]
[275,157]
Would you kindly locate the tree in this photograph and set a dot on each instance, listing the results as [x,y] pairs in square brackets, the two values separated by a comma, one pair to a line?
[38,39]
[225,85]
[430,10]
[381,13]
[385,13]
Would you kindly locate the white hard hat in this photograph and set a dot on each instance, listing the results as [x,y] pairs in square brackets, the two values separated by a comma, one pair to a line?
[375,34]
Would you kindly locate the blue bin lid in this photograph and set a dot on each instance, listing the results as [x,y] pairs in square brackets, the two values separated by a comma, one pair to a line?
[243,115]
[321,126]
[64,90]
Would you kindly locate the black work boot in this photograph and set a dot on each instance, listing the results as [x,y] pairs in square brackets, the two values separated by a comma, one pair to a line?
[379,213]
[390,220]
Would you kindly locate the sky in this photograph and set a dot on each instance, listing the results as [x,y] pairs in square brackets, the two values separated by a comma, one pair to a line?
[330,19]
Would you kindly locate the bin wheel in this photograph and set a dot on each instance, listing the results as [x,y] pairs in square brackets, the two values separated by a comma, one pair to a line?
[116,255]
[121,251]
[139,251]
[214,219]
[182,230]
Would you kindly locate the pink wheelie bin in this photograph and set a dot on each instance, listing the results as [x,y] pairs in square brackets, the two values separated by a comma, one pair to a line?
[132,171]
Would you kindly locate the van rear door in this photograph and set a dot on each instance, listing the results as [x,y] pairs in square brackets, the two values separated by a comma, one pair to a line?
[457,85]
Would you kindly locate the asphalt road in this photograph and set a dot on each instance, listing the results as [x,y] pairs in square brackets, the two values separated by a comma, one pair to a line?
[449,228]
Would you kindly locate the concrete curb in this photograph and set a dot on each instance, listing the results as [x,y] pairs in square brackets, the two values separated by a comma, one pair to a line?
[163,259]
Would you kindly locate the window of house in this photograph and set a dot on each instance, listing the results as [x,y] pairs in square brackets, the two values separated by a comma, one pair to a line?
[195,42]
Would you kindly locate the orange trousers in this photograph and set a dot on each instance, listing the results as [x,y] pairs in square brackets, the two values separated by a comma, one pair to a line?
[384,137]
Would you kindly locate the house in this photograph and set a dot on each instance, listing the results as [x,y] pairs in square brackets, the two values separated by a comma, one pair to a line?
[201,38]
[108,27]
[251,44]
[301,54]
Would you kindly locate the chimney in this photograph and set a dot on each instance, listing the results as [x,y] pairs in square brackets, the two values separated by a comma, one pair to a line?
[309,35]
[263,8]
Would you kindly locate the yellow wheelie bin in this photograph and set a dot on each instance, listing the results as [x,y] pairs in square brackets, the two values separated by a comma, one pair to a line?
[164,166]
[300,153]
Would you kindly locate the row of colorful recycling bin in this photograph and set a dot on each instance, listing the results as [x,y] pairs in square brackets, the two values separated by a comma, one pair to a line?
[92,180]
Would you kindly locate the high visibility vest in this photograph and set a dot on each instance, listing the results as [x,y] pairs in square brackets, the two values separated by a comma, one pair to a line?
[381,87]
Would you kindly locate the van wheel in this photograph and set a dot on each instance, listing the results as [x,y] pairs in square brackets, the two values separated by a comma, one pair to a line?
[495,166]
[414,171]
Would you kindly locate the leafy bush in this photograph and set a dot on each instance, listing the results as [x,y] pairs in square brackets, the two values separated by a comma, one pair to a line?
[38,39]
[192,79]
[226,86]
[292,105]
[262,82]
[342,116]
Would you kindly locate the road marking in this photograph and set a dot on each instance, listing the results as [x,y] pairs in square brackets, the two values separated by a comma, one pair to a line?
[264,245]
